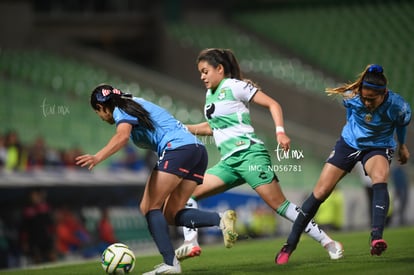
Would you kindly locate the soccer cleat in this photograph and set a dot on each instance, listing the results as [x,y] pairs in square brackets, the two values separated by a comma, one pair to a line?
[378,246]
[165,269]
[227,225]
[283,256]
[187,250]
[335,250]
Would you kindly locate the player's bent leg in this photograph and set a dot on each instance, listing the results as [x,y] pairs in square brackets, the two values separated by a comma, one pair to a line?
[290,211]
[191,234]
[190,248]
[227,225]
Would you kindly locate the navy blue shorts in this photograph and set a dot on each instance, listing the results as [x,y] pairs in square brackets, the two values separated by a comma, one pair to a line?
[345,157]
[188,162]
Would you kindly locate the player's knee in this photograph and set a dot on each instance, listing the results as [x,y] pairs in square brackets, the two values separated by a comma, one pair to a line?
[170,215]
[379,176]
[322,193]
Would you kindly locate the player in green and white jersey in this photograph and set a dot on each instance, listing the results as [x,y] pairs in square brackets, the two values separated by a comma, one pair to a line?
[228,120]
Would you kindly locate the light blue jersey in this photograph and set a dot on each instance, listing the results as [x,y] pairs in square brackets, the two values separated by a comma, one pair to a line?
[376,129]
[169,133]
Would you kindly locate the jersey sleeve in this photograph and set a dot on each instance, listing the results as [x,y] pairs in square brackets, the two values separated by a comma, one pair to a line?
[348,104]
[120,117]
[347,98]
[401,112]
[244,91]
[345,102]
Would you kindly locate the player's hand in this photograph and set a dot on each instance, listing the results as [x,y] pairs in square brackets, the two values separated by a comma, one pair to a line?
[284,141]
[87,160]
[403,154]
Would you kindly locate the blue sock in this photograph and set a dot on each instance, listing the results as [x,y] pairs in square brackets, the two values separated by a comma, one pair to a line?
[309,208]
[380,205]
[195,218]
[159,230]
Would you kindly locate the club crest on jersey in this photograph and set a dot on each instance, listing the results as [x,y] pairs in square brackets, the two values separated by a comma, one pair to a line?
[222,94]
[368,117]
[240,143]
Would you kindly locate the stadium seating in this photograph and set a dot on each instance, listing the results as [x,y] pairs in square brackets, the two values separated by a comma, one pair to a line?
[253,55]
[344,38]
[48,95]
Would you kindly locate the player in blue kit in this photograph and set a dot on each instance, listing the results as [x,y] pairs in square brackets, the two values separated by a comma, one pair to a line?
[180,168]
[374,115]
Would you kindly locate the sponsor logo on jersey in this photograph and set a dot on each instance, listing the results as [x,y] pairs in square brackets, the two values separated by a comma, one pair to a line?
[222,94]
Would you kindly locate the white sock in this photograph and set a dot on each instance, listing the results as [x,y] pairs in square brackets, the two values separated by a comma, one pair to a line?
[191,234]
[290,211]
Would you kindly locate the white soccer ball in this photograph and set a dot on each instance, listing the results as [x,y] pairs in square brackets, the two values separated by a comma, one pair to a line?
[118,259]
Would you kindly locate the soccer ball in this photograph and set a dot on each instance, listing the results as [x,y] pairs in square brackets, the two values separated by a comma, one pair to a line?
[118,259]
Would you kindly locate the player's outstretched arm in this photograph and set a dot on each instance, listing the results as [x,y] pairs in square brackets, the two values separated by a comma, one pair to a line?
[119,140]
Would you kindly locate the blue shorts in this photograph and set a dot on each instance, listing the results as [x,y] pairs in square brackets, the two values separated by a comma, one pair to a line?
[188,162]
[345,157]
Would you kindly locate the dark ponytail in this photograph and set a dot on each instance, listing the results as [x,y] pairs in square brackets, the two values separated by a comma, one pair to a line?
[227,59]
[110,98]
[224,57]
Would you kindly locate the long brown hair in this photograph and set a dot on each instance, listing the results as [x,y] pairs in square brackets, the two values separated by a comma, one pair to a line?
[372,78]
[226,58]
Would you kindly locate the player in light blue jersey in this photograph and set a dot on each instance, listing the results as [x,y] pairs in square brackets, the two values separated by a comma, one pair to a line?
[375,115]
[180,168]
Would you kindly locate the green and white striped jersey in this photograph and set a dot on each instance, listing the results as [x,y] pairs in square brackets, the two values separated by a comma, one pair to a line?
[227,113]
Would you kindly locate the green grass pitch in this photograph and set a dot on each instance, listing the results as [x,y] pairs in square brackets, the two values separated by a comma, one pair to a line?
[256,256]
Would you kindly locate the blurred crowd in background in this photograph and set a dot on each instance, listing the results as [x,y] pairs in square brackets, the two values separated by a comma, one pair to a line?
[16,156]
[43,232]
[40,233]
